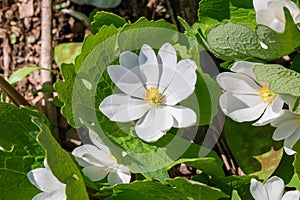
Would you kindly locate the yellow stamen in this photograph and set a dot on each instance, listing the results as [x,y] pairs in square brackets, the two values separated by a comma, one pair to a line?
[153,97]
[298,119]
[111,156]
[266,95]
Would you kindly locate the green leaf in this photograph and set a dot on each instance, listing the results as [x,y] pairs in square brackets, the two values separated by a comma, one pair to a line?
[154,33]
[296,163]
[179,189]
[66,52]
[229,184]
[61,163]
[285,169]
[22,73]
[19,151]
[235,195]
[295,182]
[296,107]
[253,148]
[208,165]
[104,37]
[106,18]
[232,41]
[296,63]
[280,79]
[216,9]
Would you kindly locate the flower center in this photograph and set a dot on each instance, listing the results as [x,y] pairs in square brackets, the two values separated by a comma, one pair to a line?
[266,95]
[153,97]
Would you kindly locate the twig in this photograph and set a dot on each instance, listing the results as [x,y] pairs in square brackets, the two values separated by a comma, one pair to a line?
[46,62]
[173,19]
[12,93]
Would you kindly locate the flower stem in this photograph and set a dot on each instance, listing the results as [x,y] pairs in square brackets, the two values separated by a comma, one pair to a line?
[12,93]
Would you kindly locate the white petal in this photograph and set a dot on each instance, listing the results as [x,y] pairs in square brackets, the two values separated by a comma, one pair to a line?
[94,137]
[149,67]
[183,117]
[272,112]
[123,108]
[147,55]
[237,83]
[240,110]
[167,56]
[291,195]
[95,173]
[285,130]
[270,18]
[257,190]
[129,59]
[294,10]
[277,25]
[289,151]
[40,196]
[54,195]
[244,67]
[122,175]
[94,156]
[154,124]
[126,80]
[187,68]
[290,141]
[179,89]
[44,180]
[286,116]
[275,187]
[259,4]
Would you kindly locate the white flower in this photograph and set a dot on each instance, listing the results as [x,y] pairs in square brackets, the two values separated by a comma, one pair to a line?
[152,86]
[270,13]
[245,98]
[44,180]
[272,190]
[288,129]
[98,162]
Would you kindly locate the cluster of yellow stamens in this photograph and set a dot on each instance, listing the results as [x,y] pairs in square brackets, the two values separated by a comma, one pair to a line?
[266,95]
[153,97]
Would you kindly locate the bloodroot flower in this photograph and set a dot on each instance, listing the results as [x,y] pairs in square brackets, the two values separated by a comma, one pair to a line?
[44,180]
[288,129]
[270,13]
[152,87]
[245,98]
[98,162]
[272,190]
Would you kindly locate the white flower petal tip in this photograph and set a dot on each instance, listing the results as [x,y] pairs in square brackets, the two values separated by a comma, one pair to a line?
[287,129]
[153,85]
[245,99]
[98,162]
[44,180]
[270,13]
[273,189]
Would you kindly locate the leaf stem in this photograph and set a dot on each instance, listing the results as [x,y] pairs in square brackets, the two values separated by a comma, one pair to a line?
[12,93]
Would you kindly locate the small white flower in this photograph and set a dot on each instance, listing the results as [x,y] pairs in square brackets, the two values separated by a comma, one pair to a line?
[98,162]
[153,85]
[288,129]
[44,180]
[245,98]
[270,13]
[272,190]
